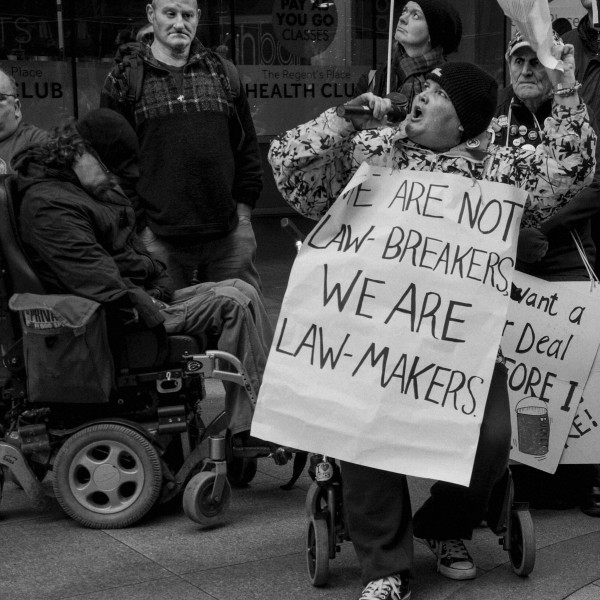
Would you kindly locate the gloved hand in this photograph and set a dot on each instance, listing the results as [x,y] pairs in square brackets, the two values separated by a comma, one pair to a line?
[532,245]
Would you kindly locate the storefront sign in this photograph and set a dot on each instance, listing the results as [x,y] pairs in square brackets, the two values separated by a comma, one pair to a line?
[281,97]
[305,27]
[44,90]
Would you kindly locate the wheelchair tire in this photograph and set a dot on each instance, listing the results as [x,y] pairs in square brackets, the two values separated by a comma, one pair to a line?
[316,500]
[197,503]
[522,542]
[107,476]
[241,471]
[317,551]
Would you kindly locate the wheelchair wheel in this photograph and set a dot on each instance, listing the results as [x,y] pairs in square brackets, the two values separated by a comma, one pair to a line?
[522,542]
[316,500]
[107,476]
[317,551]
[241,471]
[198,504]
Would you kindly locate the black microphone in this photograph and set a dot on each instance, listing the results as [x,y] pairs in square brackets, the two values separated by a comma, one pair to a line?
[396,114]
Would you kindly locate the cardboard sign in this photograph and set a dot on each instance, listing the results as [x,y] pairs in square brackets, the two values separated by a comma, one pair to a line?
[550,343]
[391,323]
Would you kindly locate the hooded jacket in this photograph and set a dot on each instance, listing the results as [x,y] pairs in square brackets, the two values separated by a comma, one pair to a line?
[313,162]
[192,171]
[86,245]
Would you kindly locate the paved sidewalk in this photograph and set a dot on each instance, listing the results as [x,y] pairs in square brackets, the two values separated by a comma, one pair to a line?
[259,552]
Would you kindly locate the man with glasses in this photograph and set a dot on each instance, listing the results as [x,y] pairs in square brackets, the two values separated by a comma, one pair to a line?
[14,134]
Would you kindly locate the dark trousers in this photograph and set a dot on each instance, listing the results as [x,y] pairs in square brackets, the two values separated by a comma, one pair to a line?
[377,503]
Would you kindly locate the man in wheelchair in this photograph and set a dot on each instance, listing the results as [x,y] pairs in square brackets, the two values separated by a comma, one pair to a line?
[79,231]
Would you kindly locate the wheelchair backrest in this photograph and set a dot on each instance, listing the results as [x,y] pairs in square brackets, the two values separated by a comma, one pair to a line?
[21,274]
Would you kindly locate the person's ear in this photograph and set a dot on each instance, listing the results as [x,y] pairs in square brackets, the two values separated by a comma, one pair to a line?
[461,129]
[18,114]
[150,12]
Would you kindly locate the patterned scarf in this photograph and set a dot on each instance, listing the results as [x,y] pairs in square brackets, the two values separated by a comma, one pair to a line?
[411,71]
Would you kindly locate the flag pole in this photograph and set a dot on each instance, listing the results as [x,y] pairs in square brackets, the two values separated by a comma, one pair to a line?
[390,44]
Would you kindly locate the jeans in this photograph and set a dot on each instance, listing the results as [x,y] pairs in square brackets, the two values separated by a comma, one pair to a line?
[377,503]
[231,257]
[233,311]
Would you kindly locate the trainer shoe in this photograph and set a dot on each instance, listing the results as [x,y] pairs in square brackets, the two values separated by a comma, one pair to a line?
[453,558]
[393,587]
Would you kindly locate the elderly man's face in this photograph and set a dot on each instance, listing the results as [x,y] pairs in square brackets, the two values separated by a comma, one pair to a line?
[174,23]
[433,121]
[10,108]
[528,76]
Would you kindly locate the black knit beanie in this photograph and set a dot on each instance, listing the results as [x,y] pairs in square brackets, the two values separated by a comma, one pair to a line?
[443,22]
[473,93]
[113,139]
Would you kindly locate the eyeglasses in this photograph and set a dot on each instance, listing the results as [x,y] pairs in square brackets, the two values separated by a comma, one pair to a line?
[4,97]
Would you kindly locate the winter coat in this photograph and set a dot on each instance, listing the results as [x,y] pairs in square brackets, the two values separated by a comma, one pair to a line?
[85,245]
[562,260]
[312,163]
[199,153]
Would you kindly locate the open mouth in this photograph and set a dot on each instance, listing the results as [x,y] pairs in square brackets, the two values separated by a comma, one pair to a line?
[416,113]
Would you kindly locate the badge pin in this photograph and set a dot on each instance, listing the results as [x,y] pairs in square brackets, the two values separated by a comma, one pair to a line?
[532,135]
[513,130]
[473,143]
[517,142]
[503,121]
[522,130]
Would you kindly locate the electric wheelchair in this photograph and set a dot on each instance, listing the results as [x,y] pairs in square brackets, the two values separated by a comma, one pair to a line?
[111,460]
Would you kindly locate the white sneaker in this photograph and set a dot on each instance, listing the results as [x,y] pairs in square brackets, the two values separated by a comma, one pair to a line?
[387,588]
[453,558]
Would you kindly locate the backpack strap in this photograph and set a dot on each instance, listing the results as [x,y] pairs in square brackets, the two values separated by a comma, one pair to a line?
[232,75]
[130,69]
[235,84]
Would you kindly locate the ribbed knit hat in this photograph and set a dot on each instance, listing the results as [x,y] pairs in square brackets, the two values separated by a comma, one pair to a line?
[113,139]
[443,22]
[473,93]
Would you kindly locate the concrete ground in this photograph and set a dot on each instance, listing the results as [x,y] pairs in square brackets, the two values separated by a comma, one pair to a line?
[259,552]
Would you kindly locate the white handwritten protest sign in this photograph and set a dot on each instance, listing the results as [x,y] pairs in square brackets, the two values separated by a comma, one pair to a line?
[550,342]
[583,442]
[391,322]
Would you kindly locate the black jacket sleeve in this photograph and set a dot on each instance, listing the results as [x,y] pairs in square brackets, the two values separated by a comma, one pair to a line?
[248,180]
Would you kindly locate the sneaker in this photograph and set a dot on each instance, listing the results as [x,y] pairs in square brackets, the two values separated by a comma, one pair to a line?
[393,587]
[453,559]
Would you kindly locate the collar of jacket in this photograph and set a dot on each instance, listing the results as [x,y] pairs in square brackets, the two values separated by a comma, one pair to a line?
[476,155]
[197,52]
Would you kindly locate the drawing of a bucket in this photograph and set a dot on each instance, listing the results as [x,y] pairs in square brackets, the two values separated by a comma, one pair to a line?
[533,426]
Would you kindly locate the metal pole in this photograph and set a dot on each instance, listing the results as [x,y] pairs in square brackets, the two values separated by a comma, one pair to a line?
[61,34]
[390,43]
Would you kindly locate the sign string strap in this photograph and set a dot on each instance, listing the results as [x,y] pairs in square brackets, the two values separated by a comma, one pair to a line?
[579,245]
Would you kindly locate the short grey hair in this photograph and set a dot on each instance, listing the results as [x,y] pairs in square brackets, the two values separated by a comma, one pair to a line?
[11,80]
